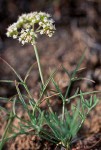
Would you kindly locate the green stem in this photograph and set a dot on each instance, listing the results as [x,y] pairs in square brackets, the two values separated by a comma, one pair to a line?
[63,111]
[39,65]
[68,148]
[40,71]
[27,90]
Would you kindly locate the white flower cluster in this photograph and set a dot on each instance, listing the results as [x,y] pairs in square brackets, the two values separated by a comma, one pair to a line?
[25,28]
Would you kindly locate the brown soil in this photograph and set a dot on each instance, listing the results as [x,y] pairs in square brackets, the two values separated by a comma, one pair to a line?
[64,48]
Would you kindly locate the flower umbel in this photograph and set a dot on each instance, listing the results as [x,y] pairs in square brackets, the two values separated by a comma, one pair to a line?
[25,28]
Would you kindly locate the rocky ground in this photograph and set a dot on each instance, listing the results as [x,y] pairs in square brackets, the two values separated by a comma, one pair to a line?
[66,48]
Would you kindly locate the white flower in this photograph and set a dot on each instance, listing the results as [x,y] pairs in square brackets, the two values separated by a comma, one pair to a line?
[48,23]
[31,33]
[40,23]
[45,19]
[38,17]
[27,30]
[33,21]
[44,26]
[20,39]
[14,36]
[48,15]
[51,27]
[24,29]
[20,20]
[50,34]
[48,31]
[23,42]
[35,35]
[41,32]
[8,34]
[51,21]
[15,29]
[26,41]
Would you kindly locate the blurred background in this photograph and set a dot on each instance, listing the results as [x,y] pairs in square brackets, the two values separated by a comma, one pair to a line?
[78,27]
[80,13]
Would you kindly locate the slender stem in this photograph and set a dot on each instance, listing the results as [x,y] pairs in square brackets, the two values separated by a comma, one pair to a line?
[39,65]
[40,72]
[68,89]
[27,90]
[63,111]
[68,147]
[77,95]
[83,120]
